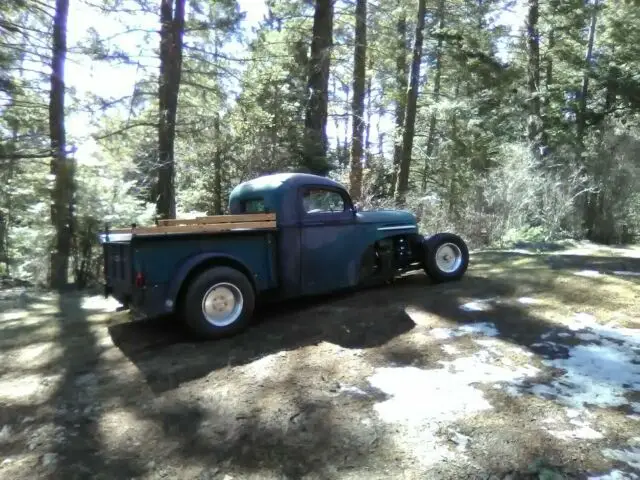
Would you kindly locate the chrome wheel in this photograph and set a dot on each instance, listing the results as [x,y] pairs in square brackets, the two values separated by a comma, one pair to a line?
[448,257]
[222,304]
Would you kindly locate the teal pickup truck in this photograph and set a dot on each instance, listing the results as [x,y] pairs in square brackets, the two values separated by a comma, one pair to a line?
[287,235]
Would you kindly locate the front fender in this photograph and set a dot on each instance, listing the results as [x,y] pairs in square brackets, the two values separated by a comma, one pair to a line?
[192,265]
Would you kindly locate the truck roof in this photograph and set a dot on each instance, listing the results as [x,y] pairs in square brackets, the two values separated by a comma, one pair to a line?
[276,193]
[269,184]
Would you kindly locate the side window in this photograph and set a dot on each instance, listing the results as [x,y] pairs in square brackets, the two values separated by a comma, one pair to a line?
[318,200]
[254,205]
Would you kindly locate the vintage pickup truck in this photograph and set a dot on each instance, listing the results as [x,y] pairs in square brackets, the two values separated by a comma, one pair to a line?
[287,235]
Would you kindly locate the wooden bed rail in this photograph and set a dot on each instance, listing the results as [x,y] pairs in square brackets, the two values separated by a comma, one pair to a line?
[216,223]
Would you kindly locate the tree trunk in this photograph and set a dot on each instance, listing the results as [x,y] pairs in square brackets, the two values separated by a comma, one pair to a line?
[62,168]
[369,110]
[412,107]
[584,91]
[534,123]
[431,140]
[7,217]
[345,130]
[592,198]
[381,134]
[217,170]
[171,33]
[548,88]
[402,71]
[357,105]
[316,142]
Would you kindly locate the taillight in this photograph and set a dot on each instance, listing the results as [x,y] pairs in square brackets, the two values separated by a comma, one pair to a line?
[139,280]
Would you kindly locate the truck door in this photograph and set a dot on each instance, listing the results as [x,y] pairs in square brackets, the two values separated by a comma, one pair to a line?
[327,229]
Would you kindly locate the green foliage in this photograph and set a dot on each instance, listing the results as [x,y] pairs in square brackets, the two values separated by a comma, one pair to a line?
[241,113]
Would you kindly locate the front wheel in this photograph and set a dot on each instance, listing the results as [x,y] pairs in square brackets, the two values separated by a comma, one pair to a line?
[446,257]
[219,303]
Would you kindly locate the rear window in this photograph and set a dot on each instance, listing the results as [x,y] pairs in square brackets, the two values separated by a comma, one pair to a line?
[254,205]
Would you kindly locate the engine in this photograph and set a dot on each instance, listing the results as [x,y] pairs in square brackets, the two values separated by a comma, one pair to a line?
[402,252]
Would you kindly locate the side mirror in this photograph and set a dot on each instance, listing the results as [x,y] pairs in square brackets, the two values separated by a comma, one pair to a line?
[356,207]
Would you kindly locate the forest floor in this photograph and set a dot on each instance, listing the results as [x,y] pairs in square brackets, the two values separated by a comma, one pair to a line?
[527,368]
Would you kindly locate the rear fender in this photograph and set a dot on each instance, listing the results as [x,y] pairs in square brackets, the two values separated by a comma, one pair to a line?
[192,267]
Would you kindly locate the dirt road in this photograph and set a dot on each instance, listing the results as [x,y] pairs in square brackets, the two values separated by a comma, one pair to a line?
[528,368]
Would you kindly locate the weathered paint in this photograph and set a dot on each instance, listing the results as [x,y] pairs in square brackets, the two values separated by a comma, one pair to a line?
[320,252]
[309,254]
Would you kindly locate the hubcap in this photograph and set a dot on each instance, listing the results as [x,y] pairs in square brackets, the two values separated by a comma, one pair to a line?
[448,257]
[222,304]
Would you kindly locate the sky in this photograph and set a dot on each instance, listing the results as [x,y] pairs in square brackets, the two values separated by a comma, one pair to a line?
[110,81]
[107,80]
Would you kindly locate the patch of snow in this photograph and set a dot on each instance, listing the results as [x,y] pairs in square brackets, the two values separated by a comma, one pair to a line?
[459,439]
[441,333]
[513,391]
[450,349]
[482,328]
[582,320]
[583,432]
[423,400]
[626,273]
[615,475]
[499,348]
[353,391]
[629,456]
[573,412]
[98,302]
[587,273]
[528,301]
[594,374]
[476,306]
[588,337]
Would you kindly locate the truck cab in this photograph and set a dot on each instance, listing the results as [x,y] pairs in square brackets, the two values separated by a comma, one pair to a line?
[320,233]
[318,242]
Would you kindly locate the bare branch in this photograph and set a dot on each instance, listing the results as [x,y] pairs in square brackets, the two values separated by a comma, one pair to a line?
[124,129]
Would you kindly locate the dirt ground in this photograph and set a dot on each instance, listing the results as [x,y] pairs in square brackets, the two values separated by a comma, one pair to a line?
[527,368]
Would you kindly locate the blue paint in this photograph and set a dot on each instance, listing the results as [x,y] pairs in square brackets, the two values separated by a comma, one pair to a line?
[319,245]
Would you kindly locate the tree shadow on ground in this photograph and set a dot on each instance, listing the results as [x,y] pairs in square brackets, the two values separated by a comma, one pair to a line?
[314,438]
[183,436]
[77,442]
[167,355]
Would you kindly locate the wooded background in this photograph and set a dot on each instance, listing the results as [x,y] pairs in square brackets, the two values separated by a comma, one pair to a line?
[498,134]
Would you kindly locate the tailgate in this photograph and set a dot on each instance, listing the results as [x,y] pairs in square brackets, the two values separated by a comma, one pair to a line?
[118,268]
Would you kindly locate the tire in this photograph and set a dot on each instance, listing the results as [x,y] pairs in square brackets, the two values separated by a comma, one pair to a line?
[437,252]
[210,294]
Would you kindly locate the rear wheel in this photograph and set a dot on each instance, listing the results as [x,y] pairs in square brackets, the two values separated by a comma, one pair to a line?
[219,303]
[446,257]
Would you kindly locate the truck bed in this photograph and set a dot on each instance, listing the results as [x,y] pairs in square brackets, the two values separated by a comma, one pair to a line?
[163,254]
